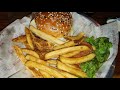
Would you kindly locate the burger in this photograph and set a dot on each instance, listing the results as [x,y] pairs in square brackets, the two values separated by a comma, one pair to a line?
[57,24]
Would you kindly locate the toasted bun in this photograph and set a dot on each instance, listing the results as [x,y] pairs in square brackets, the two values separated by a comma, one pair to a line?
[57,24]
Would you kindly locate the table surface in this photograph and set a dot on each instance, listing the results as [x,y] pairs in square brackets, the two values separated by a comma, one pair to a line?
[7,17]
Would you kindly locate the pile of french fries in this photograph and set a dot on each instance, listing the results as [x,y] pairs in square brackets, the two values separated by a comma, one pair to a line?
[59,59]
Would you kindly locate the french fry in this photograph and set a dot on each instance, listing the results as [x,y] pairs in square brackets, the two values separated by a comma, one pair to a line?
[64,51]
[23,59]
[45,36]
[34,72]
[94,48]
[54,62]
[43,62]
[32,58]
[87,44]
[78,42]
[68,75]
[20,39]
[73,66]
[38,45]
[50,63]
[82,54]
[78,37]
[77,60]
[33,23]
[20,53]
[70,54]
[43,47]
[47,69]
[27,45]
[65,45]
[29,38]
[41,53]
[64,73]
[32,35]
[45,74]
[30,52]
[41,44]
[71,70]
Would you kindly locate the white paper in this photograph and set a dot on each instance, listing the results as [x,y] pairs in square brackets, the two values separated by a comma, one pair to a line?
[9,62]
[111,31]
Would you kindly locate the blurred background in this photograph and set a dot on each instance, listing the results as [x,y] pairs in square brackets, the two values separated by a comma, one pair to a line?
[101,17]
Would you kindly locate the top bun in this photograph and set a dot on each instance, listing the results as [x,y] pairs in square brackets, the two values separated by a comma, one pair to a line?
[57,24]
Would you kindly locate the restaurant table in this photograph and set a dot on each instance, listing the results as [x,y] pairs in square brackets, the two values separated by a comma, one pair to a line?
[101,17]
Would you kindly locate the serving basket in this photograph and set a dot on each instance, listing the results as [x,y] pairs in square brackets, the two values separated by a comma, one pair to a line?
[19,27]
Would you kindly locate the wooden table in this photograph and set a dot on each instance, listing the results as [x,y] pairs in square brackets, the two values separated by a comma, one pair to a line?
[7,17]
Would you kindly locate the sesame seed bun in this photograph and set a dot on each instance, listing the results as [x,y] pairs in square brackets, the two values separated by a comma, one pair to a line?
[57,24]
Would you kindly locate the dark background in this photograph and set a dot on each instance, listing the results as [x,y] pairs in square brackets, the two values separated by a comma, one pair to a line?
[8,17]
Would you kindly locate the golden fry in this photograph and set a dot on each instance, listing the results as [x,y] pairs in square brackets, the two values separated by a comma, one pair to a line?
[73,66]
[47,69]
[50,63]
[65,45]
[33,23]
[34,72]
[71,70]
[20,53]
[43,62]
[38,45]
[68,75]
[27,45]
[65,74]
[23,59]
[45,74]
[77,60]
[29,38]
[32,58]
[32,35]
[42,45]
[54,62]
[70,54]
[94,48]
[64,51]
[20,39]
[45,36]
[30,52]
[78,37]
